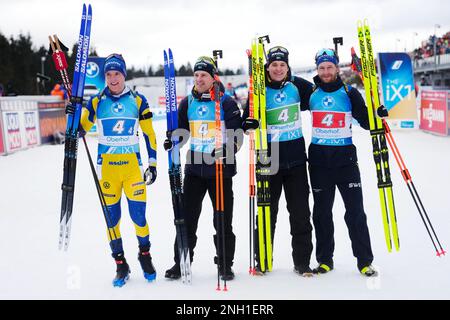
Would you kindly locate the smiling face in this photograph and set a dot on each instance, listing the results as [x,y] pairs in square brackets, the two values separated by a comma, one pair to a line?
[278,70]
[327,72]
[203,81]
[115,81]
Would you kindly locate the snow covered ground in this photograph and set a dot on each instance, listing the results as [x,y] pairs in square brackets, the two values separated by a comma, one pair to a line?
[33,268]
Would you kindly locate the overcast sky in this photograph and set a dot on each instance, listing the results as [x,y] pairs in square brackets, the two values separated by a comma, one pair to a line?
[141,30]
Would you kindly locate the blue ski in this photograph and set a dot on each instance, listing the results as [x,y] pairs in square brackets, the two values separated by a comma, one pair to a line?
[175,167]
[71,141]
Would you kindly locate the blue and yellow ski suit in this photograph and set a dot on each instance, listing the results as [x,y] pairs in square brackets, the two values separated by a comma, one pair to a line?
[119,165]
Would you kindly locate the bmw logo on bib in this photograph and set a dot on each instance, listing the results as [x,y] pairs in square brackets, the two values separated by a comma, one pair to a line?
[328,102]
[118,108]
[202,111]
[280,97]
[92,69]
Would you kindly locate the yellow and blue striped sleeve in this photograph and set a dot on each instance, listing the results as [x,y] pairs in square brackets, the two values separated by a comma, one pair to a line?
[88,114]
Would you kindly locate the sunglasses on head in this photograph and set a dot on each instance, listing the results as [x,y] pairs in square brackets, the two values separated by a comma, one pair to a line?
[326,52]
[115,55]
[207,60]
[278,48]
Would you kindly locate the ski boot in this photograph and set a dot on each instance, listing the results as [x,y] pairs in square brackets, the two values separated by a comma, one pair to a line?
[304,271]
[122,271]
[323,268]
[145,259]
[227,274]
[368,271]
[173,273]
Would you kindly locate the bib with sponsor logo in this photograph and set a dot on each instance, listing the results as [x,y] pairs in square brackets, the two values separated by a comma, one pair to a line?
[284,122]
[202,125]
[118,123]
[331,118]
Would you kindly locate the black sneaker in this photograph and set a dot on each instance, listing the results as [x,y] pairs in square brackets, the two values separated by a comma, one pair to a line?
[369,271]
[174,272]
[122,271]
[227,275]
[323,268]
[304,271]
[145,259]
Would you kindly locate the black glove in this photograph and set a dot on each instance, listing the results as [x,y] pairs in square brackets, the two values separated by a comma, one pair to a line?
[382,112]
[250,124]
[168,144]
[70,108]
[150,175]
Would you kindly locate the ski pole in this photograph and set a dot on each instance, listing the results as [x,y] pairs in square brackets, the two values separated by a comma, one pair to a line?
[252,187]
[219,174]
[412,189]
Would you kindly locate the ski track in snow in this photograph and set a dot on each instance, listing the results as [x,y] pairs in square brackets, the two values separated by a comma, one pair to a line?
[33,268]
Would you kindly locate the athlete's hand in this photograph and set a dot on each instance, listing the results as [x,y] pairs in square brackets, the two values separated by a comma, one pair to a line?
[250,124]
[382,112]
[150,175]
[168,145]
[70,108]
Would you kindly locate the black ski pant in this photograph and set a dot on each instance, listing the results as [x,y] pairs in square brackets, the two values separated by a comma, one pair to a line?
[294,182]
[348,181]
[194,189]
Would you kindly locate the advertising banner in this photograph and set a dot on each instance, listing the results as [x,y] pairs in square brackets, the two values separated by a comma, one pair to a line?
[434,112]
[2,146]
[397,88]
[94,73]
[20,124]
[52,120]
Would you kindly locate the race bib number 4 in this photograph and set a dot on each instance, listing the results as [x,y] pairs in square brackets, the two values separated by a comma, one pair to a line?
[283,115]
[119,127]
[203,135]
[328,120]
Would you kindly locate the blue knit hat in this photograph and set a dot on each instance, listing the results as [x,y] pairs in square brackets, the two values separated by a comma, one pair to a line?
[326,55]
[115,62]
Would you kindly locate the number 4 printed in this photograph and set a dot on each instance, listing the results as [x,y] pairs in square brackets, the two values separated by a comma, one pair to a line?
[328,120]
[203,129]
[119,126]
[284,115]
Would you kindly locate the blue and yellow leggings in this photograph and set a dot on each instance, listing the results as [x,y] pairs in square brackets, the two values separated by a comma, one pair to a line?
[122,172]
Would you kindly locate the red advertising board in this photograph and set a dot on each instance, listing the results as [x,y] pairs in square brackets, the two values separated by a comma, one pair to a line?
[162,100]
[433,112]
[2,147]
